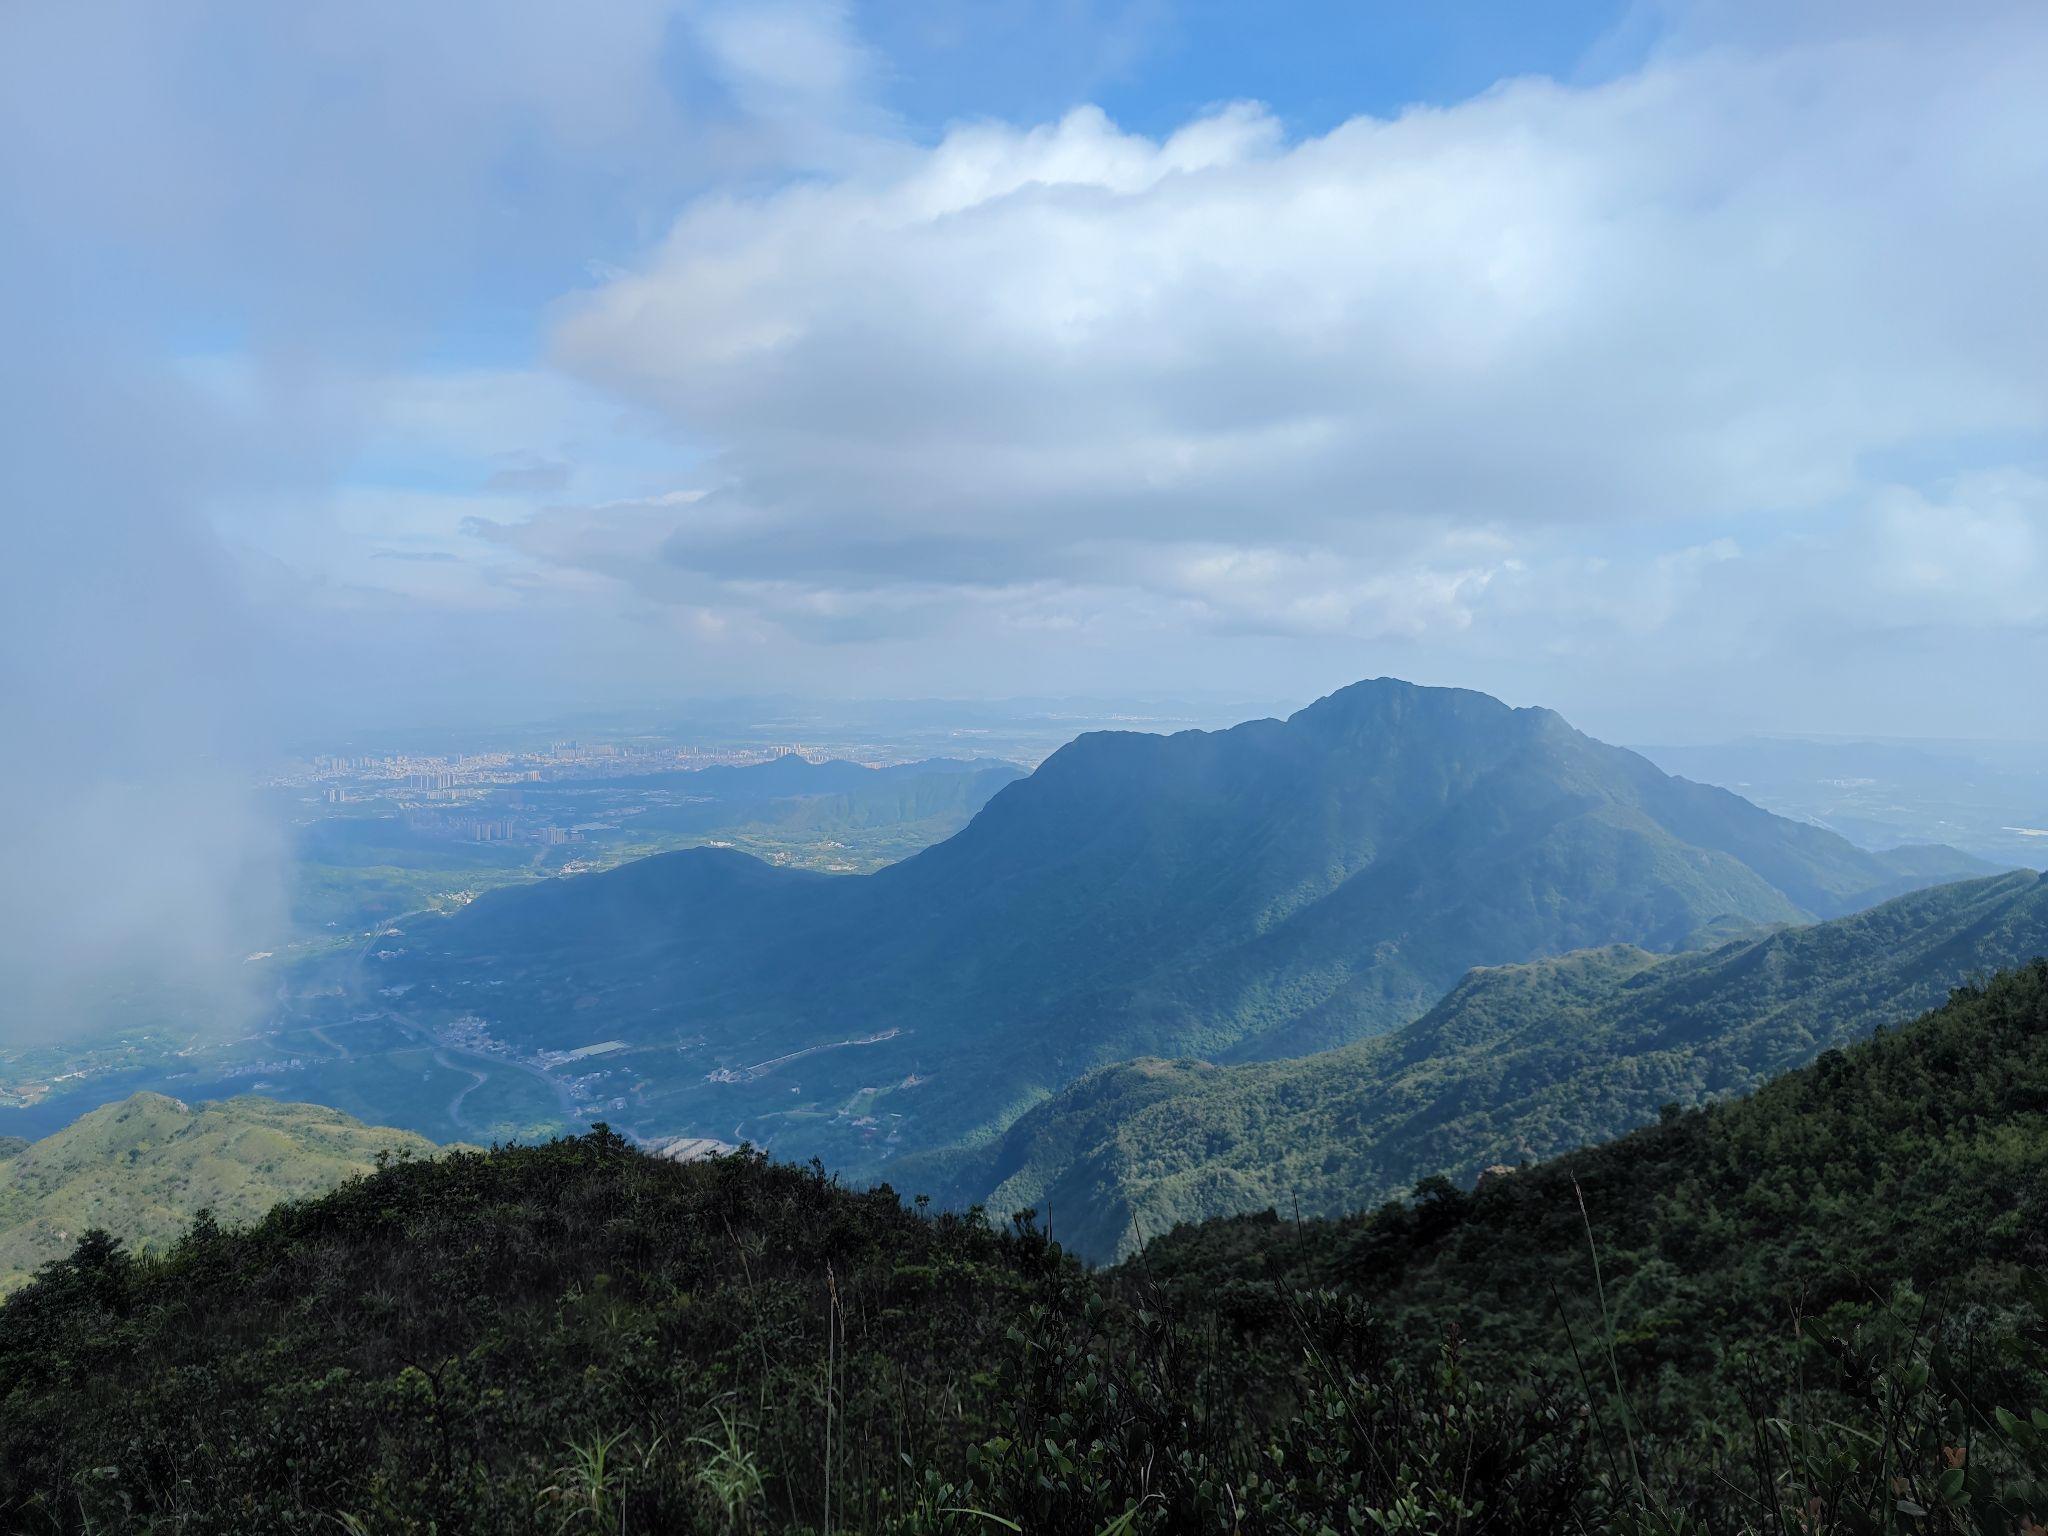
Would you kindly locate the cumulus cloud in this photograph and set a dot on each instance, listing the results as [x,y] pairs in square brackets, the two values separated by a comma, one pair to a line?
[1374,381]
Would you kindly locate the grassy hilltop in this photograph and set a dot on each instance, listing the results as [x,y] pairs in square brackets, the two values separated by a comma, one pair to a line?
[142,1168]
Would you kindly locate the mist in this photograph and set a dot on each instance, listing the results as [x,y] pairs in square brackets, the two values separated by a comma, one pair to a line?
[219,233]
[136,855]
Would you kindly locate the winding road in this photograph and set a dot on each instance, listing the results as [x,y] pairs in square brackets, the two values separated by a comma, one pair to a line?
[356,985]
[477,1080]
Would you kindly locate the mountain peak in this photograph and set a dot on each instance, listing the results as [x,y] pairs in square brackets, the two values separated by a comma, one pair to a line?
[1262,891]
[1393,703]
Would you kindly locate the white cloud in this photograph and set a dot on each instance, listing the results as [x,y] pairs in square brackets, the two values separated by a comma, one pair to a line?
[220,224]
[795,68]
[1555,391]
[1974,555]
[1370,383]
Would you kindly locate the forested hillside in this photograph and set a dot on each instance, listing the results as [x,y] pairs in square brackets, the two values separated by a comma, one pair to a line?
[1273,889]
[1817,1310]
[1905,1175]
[1517,1062]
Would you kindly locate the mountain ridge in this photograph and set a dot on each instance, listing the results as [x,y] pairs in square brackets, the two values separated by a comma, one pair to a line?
[1261,891]
[1515,1062]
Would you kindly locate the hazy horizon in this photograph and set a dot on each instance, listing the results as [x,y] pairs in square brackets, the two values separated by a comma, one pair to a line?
[1153,710]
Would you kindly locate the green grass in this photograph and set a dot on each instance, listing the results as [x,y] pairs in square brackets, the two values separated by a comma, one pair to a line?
[142,1168]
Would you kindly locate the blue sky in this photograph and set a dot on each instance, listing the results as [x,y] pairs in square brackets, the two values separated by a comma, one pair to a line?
[925,66]
[1152,66]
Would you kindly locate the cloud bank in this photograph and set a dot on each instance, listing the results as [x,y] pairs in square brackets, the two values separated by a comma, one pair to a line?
[1559,365]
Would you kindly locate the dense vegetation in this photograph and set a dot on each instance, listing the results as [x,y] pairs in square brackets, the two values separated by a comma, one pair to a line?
[141,1169]
[1809,1311]
[1260,892]
[1518,1062]
[1898,1184]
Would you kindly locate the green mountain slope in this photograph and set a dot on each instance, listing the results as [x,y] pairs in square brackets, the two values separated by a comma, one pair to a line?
[1263,891]
[142,1168]
[1819,1312]
[1916,1158]
[1852,1228]
[1516,1062]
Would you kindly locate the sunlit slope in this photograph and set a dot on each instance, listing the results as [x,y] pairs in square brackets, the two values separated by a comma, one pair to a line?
[1517,1062]
[143,1167]
[1263,891]
[1916,1157]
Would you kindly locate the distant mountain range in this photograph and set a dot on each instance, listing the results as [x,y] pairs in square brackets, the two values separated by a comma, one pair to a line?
[1274,889]
[142,1168]
[1518,1062]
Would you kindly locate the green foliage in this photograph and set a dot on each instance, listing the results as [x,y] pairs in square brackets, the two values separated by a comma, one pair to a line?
[1817,1311]
[1516,1063]
[731,1473]
[590,1488]
[1835,1277]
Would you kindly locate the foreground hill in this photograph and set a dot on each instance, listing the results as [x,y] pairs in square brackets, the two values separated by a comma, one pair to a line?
[1813,1317]
[1264,891]
[1906,1174]
[1517,1062]
[142,1168]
